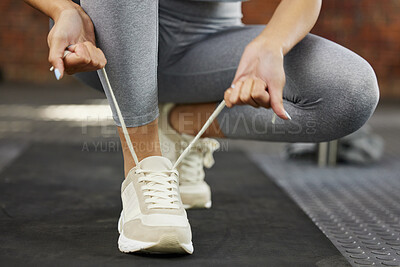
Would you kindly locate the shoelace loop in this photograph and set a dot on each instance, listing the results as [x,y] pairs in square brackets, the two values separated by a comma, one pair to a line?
[209,146]
[200,155]
[160,188]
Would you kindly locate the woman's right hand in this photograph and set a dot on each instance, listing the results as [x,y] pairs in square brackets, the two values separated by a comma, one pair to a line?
[73,30]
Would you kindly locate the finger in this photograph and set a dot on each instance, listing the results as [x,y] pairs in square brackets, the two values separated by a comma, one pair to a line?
[92,51]
[227,95]
[259,94]
[102,58]
[83,51]
[85,57]
[245,93]
[56,55]
[75,63]
[71,48]
[98,60]
[234,98]
[275,92]
[78,60]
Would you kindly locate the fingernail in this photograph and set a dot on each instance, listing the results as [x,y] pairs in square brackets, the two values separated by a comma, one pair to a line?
[57,74]
[287,115]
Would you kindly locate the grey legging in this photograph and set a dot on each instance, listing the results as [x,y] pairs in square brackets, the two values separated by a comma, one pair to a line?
[329,93]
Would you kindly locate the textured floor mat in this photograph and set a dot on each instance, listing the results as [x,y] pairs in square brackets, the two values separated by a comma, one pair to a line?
[357,208]
[60,207]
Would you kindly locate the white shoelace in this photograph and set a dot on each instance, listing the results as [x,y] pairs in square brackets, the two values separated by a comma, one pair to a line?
[160,188]
[160,193]
[128,140]
[200,133]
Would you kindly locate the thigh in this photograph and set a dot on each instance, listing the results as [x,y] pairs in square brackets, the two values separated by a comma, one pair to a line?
[327,85]
[207,68]
[330,92]
[315,69]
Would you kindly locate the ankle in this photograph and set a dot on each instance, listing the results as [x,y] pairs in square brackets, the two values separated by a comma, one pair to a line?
[174,120]
[145,142]
[189,119]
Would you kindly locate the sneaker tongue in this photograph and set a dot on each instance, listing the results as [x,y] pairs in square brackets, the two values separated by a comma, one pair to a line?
[155,163]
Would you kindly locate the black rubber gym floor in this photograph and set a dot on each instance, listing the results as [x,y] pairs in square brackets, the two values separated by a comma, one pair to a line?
[60,206]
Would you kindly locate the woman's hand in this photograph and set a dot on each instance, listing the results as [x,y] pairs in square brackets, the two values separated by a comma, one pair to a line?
[73,30]
[259,79]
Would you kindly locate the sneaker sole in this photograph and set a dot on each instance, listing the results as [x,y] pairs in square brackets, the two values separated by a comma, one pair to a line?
[168,244]
[206,205]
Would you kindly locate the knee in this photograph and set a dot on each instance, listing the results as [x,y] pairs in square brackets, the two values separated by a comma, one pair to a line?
[359,100]
[363,93]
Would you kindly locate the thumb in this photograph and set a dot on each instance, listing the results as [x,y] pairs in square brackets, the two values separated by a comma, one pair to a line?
[277,103]
[56,55]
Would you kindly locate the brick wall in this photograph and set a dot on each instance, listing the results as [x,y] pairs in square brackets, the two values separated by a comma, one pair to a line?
[23,53]
[369,27]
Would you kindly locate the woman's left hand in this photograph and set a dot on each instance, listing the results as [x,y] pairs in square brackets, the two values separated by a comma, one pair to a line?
[259,79]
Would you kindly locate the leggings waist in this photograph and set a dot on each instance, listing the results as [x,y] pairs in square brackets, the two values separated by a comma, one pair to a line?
[196,10]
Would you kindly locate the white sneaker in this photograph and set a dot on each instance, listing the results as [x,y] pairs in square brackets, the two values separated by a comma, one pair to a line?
[195,192]
[153,218]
